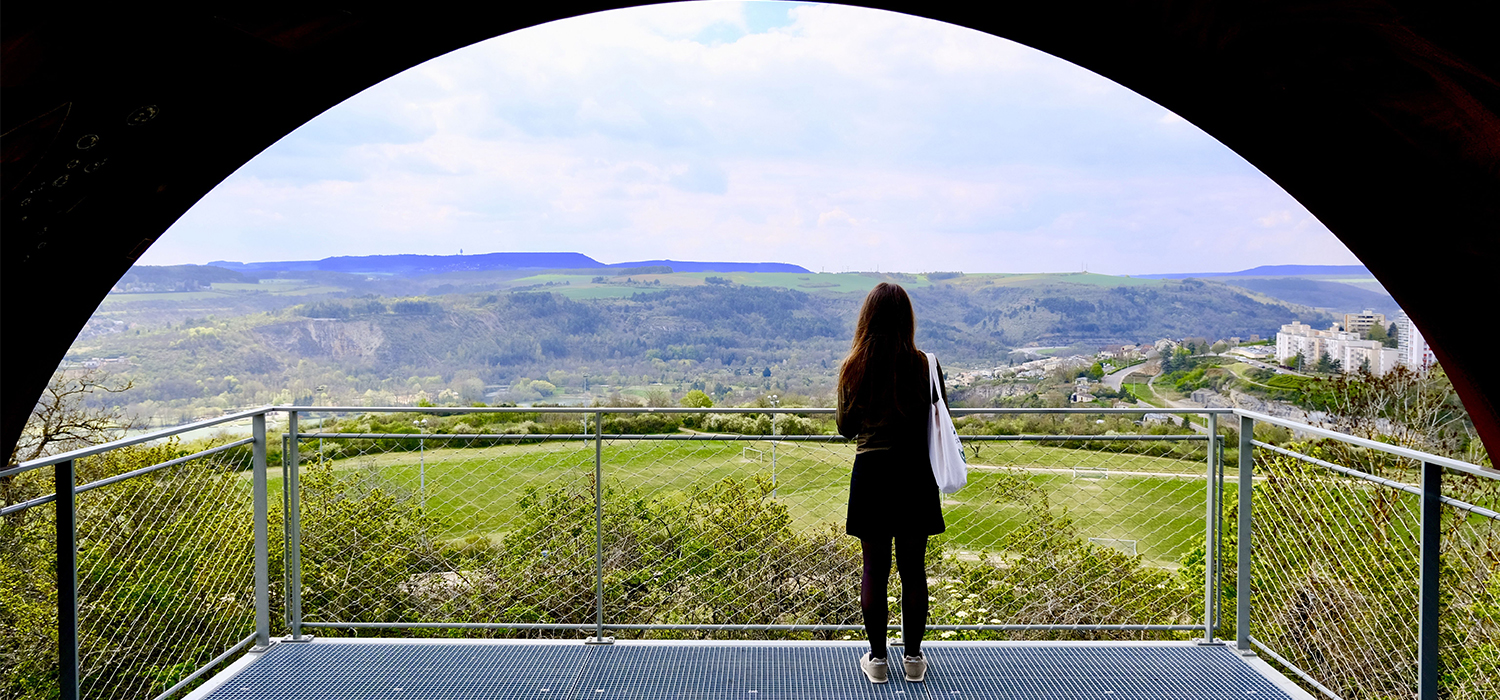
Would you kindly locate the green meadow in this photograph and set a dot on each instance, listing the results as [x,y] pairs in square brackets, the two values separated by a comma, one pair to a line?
[1157,501]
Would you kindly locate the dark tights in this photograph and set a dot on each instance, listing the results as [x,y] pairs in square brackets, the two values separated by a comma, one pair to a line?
[873,590]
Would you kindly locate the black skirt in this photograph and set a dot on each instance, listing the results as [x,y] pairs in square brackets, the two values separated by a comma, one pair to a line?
[892,493]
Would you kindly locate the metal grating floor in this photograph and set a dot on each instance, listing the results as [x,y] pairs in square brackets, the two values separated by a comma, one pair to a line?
[405,670]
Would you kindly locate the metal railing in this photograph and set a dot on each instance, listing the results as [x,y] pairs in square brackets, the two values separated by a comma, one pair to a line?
[1360,574]
[1076,524]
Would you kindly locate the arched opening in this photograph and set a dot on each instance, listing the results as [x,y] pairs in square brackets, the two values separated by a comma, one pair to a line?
[1276,88]
[826,138]
[1373,174]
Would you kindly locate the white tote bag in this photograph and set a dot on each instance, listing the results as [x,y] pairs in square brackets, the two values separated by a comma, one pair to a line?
[943,447]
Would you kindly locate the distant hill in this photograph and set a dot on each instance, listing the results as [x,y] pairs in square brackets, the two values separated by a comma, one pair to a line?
[1320,294]
[413,265]
[1272,271]
[688,266]
[193,352]
[1339,288]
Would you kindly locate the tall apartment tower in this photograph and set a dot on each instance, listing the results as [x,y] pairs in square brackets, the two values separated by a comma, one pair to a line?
[1361,322]
[1411,346]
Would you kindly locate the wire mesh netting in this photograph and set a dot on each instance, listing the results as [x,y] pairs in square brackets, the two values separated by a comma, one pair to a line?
[1470,581]
[28,576]
[165,570]
[164,573]
[701,533]
[1336,574]
[444,531]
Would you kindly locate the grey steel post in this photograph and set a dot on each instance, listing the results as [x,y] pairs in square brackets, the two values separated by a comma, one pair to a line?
[1242,572]
[773,455]
[262,548]
[291,482]
[67,582]
[1427,631]
[1209,531]
[599,637]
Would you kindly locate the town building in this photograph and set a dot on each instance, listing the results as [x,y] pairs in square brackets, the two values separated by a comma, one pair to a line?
[1412,348]
[1361,322]
[1350,350]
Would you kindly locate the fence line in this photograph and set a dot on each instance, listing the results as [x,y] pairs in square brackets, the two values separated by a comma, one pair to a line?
[690,536]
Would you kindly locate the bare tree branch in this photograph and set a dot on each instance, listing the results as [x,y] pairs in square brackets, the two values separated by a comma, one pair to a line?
[63,420]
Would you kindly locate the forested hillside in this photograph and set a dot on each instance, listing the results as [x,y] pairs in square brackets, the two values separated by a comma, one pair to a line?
[316,341]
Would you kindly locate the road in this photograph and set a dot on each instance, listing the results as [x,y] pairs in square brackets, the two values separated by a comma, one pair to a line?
[1114,379]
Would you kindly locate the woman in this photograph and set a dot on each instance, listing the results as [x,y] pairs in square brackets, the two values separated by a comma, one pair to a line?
[885,401]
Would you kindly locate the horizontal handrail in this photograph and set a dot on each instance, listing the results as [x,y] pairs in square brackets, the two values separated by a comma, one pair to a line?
[169,463]
[808,410]
[1293,667]
[1417,455]
[1447,462]
[195,675]
[452,625]
[127,442]
[709,627]
[590,410]
[18,507]
[726,437]
[1389,483]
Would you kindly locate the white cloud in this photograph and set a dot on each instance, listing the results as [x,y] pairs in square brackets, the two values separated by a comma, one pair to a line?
[839,137]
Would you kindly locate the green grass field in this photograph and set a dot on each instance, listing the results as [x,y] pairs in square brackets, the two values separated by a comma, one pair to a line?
[1143,391]
[1156,501]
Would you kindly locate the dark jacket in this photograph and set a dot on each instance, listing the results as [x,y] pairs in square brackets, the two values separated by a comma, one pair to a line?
[890,425]
[892,492]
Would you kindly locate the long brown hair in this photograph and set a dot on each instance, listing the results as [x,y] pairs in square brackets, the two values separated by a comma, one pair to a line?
[885,338]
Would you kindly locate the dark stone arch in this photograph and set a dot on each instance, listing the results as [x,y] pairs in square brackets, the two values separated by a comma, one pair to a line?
[1381,117]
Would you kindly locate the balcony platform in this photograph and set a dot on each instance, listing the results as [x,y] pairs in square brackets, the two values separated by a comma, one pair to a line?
[406,669]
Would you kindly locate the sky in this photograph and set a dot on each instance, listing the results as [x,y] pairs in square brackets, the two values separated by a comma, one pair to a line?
[833,137]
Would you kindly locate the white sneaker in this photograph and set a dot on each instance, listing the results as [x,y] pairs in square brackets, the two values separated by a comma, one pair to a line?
[875,669]
[916,668]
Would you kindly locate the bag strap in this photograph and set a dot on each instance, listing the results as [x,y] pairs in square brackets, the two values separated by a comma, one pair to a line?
[933,387]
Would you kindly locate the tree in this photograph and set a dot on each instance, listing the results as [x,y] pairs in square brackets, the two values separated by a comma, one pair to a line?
[696,399]
[1421,411]
[63,421]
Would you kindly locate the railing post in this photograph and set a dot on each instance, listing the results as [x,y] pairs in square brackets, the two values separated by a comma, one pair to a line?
[262,546]
[292,521]
[67,581]
[1427,636]
[774,492]
[599,637]
[1210,530]
[1244,553]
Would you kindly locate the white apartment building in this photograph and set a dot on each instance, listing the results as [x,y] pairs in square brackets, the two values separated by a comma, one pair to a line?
[1361,322]
[1348,349]
[1411,346]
